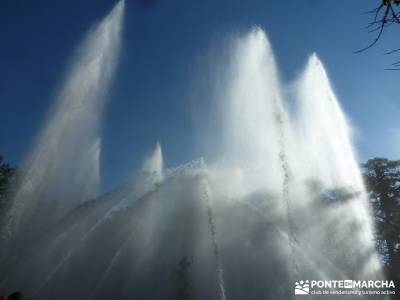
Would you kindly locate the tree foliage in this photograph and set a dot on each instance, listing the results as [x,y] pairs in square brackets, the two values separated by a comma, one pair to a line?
[7,179]
[382,178]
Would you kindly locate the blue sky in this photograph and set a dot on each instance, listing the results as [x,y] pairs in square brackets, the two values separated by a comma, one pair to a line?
[163,46]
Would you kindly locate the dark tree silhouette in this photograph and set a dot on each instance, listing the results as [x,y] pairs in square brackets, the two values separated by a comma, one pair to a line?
[7,179]
[385,15]
[382,177]
[15,296]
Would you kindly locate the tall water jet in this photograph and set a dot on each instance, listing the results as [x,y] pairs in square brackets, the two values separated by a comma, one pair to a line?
[63,168]
[328,166]
[249,101]
[256,125]
[324,130]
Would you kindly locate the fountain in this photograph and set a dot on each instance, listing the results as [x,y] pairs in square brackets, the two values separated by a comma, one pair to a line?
[284,202]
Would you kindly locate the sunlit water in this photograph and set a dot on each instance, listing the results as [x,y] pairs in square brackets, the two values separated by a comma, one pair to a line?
[283,202]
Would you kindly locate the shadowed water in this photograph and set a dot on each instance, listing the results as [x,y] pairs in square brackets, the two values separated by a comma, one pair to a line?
[284,202]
